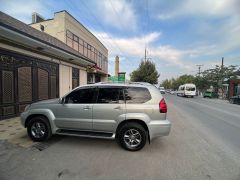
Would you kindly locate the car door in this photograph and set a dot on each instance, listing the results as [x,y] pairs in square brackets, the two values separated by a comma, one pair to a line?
[76,111]
[108,109]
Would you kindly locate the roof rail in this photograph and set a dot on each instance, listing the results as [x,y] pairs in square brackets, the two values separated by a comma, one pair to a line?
[141,83]
[119,82]
[111,82]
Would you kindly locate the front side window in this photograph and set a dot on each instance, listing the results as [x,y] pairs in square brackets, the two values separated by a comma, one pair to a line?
[137,95]
[110,96]
[81,96]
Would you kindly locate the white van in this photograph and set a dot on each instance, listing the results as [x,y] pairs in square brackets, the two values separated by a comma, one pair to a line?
[187,90]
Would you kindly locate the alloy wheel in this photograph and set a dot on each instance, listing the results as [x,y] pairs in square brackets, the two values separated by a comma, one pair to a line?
[132,138]
[38,130]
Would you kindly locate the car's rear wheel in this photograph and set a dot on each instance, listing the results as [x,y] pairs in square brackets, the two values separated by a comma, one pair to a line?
[132,136]
[39,129]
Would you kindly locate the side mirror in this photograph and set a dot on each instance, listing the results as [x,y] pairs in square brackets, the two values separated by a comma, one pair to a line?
[62,100]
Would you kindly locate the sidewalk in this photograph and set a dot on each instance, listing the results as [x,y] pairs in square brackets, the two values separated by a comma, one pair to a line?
[12,131]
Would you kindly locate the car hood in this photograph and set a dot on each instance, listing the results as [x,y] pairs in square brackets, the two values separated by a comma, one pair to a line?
[49,101]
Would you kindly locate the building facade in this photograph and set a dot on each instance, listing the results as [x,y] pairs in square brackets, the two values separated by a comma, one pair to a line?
[35,65]
[70,31]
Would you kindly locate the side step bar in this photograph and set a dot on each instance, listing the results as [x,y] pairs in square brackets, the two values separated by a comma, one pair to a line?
[91,134]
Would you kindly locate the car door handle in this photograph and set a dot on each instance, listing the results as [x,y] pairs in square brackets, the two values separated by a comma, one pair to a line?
[86,107]
[117,108]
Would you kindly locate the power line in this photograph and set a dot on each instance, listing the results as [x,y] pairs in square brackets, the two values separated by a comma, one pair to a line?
[110,40]
[147,15]
[95,18]
[87,17]
[102,26]
[116,14]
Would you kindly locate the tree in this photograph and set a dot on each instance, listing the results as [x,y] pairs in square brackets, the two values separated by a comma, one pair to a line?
[210,77]
[167,84]
[146,72]
[215,77]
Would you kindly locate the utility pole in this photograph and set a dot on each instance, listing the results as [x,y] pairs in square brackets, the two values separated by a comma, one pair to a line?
[222,62]
[145,57]
[199,68]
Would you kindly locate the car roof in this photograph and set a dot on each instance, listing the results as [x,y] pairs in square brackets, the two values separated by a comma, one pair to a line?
[128,84]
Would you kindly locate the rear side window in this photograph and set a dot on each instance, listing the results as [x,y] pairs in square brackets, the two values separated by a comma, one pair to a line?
[110,96]
[137,95]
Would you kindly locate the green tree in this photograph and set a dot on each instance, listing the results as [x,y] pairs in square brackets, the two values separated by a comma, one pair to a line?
[167,84]
[146,72]
[210,77]
[215,76]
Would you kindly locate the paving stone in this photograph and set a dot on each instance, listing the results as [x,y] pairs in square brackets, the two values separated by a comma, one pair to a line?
[12,131]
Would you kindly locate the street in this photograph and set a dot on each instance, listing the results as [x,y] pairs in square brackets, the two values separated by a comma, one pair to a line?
[203,144]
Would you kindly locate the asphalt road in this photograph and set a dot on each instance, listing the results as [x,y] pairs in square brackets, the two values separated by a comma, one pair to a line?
[204,143]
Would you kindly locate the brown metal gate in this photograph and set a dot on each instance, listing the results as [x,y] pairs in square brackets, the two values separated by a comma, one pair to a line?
[24,80]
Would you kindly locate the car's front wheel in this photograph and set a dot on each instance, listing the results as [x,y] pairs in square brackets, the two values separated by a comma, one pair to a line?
[132,136]
[39,129]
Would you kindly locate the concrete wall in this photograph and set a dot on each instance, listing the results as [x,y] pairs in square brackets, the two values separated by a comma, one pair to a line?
[104,78]
[55,27]
[58,27]
[65,79]
[62,22]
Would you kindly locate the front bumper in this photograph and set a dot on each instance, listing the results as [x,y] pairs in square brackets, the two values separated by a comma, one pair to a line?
[158,128]
[23,118]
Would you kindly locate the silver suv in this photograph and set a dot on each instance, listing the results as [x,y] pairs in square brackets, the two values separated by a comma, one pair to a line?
[130,113]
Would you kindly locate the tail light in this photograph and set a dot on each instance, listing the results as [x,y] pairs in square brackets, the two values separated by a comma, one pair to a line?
[163,106]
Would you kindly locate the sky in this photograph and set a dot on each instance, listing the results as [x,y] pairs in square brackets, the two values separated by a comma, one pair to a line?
[178,35]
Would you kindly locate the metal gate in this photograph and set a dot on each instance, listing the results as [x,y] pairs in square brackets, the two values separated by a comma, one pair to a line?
[24,80]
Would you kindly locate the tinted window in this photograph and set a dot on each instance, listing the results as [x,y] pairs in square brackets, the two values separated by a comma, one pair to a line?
[190,88]
[137,95]
[110,95]
[81,96]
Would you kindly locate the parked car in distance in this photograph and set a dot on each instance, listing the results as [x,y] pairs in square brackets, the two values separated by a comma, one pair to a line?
[210,94]
[131,113]
[162,90]
[234,99]
[172,92]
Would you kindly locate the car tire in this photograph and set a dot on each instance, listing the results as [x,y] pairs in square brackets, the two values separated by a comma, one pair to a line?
[39,129]
[132,136]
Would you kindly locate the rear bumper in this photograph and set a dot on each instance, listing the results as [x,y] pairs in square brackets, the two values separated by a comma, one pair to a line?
[159,128]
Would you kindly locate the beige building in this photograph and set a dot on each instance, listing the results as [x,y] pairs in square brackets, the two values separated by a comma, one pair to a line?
[70,31]
[46,61]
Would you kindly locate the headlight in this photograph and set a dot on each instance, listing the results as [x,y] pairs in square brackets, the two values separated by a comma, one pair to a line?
[27,107]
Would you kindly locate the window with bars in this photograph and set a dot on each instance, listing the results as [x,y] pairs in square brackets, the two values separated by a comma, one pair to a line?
[75,42]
